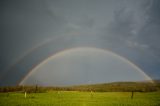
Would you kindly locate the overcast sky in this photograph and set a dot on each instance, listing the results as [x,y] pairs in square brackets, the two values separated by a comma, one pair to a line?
[31,30]
[83,65]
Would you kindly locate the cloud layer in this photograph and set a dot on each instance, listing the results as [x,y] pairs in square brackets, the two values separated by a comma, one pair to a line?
[128,27]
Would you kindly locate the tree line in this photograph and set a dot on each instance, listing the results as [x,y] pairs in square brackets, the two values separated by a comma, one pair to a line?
[108,87]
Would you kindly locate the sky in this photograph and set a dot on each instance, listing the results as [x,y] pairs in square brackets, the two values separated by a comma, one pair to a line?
[32,30]
[83,65]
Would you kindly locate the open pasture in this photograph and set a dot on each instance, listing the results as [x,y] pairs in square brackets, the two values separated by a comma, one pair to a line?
[76,98]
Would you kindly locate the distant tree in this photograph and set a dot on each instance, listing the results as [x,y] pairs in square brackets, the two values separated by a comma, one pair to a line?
[36,88]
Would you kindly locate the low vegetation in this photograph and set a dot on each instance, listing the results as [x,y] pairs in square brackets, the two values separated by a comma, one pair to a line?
[111,94]
[107,87]
[76,98]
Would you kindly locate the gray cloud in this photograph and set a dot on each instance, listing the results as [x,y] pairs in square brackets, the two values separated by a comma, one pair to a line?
[129,28]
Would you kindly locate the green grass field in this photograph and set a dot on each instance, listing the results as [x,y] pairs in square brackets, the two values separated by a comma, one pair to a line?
[75,98]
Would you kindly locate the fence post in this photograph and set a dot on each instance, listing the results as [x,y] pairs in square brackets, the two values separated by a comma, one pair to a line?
[132,94]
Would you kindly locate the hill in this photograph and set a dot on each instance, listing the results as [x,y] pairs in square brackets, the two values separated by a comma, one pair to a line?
[103,87]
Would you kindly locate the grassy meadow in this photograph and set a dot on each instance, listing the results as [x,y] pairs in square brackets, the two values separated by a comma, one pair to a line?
[107,94]
[77,98]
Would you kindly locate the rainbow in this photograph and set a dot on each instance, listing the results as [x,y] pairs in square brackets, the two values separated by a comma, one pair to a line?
[66,51]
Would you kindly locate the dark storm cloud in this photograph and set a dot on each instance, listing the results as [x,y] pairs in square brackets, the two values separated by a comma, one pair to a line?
[25,23]
[139,31]
[127,27]
[150,34]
